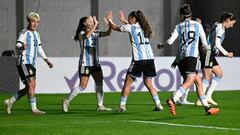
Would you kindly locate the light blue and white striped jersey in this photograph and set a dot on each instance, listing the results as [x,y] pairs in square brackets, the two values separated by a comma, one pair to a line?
[216,37]
[141,47]
[188,33]
[89,52]
[33,42]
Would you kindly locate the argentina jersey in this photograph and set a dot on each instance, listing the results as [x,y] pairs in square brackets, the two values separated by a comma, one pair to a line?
[141,47]
[188,32]
[88,53]
[217,31]
[32,40]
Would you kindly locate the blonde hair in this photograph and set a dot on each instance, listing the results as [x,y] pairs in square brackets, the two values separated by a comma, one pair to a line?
[33,16]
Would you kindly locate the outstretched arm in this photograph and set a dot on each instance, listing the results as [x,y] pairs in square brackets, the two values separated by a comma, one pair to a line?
[170,41]
[110,22]
[90,31]
[108,32]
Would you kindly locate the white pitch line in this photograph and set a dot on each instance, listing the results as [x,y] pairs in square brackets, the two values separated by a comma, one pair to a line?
[184,125]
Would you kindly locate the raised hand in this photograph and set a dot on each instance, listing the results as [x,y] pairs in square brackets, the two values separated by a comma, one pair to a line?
[95,20]
[121,17]
[109,15]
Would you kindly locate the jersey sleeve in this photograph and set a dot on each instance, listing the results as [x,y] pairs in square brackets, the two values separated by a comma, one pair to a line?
[218,40]
[21,40]
[173,37]
[125,28]
[39,40]
[202,35]
[41,52]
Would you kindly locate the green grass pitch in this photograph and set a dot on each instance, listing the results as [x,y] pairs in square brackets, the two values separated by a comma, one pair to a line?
[139,119]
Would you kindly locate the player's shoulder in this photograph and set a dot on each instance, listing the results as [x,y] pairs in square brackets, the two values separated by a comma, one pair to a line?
[24,31]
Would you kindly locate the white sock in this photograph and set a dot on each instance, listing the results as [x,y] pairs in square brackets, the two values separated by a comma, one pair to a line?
[123,100]
[74,93]
[204,101]
[156,99]
[14,98]
[178,94]
[205,85]
[183,98]
[212,86]
[33,103]
[99,93]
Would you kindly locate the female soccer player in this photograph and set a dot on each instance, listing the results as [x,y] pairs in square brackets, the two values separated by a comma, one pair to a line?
[140,32]
[28,44]
[88,62]
[209,62]
[188,32]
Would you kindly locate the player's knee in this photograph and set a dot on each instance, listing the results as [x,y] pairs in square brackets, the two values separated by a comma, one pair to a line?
[83,85]
[220,76]
[99,83]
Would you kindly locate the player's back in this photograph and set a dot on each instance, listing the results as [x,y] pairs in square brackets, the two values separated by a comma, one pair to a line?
[188,33]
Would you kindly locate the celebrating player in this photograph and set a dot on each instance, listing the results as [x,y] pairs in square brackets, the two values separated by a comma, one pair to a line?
[28,44]
[208,60]
[188,32]
[88,62]
[140,32]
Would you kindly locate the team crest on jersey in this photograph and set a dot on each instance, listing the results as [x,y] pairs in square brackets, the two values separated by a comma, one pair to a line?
[30,71]
[211,64]
[87,71]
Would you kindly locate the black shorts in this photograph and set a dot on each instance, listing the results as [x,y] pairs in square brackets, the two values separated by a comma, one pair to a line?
[188,65]
[89,70]
[26,71]
[208,60]
[147,67]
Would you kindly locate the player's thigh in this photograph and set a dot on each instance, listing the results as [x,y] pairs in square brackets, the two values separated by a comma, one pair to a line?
[97,73]
[149,70]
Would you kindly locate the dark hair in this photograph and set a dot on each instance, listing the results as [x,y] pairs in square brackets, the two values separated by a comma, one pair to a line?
[227,15]
[143,22]
[80,27]
[185,11]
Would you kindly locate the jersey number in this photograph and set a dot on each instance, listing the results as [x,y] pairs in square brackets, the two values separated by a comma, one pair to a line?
[190,37]
[141,39]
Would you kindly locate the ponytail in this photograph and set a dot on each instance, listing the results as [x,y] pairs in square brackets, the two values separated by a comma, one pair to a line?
[80,27]
[144,24]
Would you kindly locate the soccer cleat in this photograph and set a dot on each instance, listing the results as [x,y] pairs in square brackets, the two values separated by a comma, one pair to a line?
[65,105]
[211,101]
[158,107]
[122,108]
[198,103]
[213,111]
[171,106]
[103,108]
[38,112]
[8,105]
[185,102]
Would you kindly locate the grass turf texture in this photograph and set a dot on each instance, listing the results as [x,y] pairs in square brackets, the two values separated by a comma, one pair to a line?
[84,119]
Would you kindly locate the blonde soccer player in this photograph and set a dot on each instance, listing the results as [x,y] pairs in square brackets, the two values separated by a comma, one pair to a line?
[209,63]
[188,32]
[89,64]
[28,44]
[140,33]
